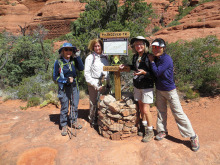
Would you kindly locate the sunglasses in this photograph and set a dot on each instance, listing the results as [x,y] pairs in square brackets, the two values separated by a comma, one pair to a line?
[68,49]
[156,47]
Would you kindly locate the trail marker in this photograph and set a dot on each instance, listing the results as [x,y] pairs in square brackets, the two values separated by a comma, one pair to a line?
[116,44]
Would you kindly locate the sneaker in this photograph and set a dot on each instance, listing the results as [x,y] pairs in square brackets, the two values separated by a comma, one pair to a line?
[64,131]
[148,136]
[195,143]
[77,126]
[161,135]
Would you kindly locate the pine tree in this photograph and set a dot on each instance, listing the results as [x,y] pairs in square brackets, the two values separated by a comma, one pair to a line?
[109,16]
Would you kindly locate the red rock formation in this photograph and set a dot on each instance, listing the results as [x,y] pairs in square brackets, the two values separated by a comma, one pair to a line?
[56,16]
[12,15]
[204,20]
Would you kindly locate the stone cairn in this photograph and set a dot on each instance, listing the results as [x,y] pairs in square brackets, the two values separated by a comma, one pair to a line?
[117,119]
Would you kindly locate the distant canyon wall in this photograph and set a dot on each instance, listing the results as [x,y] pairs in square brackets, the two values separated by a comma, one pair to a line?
[56,16]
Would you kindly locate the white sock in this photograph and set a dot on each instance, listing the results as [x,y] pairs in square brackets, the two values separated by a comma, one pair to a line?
[151,127]
[144,123]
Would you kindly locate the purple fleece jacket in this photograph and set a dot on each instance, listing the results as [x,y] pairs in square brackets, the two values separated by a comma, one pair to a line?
[163,71]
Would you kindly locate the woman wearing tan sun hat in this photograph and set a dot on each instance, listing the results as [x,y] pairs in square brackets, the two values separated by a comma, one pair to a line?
[143,82]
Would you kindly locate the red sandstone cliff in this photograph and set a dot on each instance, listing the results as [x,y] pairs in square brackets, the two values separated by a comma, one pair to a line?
[56,16]
[202,21]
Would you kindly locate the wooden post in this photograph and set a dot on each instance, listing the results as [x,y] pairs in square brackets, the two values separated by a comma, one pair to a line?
[117,85]
[117,78]
[116,48]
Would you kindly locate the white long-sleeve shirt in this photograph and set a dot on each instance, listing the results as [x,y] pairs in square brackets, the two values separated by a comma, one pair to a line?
[94,69]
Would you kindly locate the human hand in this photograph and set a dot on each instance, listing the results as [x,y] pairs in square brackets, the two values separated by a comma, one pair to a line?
[78,53]
[70,79]
[151,57]
[121,66]
[98,88]
[140,71]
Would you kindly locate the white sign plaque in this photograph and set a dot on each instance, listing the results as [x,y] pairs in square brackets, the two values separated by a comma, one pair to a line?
[115,46]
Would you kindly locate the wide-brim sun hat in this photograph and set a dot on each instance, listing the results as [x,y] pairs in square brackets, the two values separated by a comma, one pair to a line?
[140,38]
[159,42]
[67,45]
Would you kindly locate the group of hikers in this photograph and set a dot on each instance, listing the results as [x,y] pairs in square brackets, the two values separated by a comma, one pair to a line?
[149,70]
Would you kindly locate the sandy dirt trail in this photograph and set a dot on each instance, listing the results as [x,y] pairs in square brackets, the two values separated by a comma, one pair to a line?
[33,137]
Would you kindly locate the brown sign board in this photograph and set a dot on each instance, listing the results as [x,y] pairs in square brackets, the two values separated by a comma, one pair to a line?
[116,69]
[115,35]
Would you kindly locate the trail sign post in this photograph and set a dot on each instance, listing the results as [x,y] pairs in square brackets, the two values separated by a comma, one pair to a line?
[116,44]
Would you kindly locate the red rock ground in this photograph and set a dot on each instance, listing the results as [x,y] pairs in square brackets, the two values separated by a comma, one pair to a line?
[33,137]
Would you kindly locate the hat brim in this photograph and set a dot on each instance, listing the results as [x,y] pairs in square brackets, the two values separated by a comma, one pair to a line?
[60,50]
[157,43]
[135,39]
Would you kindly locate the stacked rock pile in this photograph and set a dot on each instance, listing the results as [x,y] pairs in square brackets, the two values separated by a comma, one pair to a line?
[117,119]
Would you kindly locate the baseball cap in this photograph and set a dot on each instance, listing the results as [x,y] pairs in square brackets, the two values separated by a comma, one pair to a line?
[159,42]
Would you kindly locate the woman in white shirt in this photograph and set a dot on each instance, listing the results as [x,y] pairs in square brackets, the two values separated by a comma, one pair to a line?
[93,73]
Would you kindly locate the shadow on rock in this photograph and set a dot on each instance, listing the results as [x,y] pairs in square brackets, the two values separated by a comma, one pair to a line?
[187,143]
[83,114]
[55,118]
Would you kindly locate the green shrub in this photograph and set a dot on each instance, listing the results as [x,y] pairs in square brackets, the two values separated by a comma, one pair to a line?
[14,4]
[196,64]
[187,90]
[6,98]
[204,1]
[183,12]
[185,3]
[173,23]
[26,57]
[190,94]
[155,29]
[49,95]
[50,98]
[33,101]
[23,92]
[199,20]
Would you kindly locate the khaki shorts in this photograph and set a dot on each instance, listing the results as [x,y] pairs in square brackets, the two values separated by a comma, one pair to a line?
[145,95]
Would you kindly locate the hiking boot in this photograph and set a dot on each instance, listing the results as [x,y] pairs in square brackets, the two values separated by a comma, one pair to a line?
[64,131]
[141,131]
[148,135]
[77,126]
[195,143]
[161,135]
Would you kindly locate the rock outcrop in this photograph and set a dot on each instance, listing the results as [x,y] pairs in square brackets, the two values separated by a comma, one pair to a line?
[56,16]
[202,21]
[12,15]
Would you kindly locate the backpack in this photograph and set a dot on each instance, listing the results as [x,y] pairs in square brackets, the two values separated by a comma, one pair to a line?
[60,62]
[94,58]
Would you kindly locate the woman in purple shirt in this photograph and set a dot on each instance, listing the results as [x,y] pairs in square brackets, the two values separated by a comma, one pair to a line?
[162,67]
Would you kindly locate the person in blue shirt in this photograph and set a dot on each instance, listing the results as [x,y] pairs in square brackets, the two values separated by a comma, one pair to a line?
[65,75]
[162,67]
